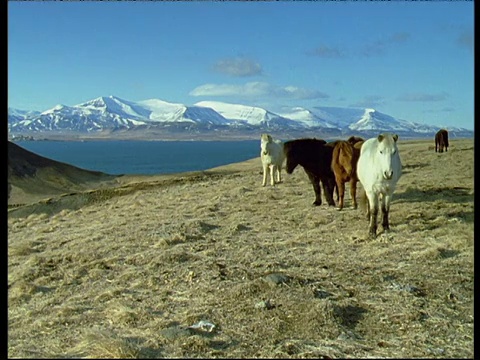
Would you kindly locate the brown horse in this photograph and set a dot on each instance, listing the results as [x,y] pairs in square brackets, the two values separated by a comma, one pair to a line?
[344,165]
[441,140]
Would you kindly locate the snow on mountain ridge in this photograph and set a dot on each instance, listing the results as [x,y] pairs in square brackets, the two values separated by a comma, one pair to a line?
[115,105]
[112,112]
[307,118]
[372,120]
[250,114]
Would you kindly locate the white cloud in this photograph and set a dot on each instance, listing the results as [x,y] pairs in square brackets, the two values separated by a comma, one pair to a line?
[240,67]
[423,97]
[324,51]
[371,101]
[257,89]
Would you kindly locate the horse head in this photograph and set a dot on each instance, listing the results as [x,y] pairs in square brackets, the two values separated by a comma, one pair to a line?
[387,154]
[265,140]
[290,165]
[289,154]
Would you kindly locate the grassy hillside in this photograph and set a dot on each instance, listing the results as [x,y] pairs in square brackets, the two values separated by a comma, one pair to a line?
[32,177]
[130,271]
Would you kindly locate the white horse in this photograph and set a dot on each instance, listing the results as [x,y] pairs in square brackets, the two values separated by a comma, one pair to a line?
[272,158]
[378,169]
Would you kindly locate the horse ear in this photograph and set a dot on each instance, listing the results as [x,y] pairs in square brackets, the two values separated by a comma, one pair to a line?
[380,137]
[395,137]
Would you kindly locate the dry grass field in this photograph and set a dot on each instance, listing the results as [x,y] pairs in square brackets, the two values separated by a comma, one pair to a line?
[213,265]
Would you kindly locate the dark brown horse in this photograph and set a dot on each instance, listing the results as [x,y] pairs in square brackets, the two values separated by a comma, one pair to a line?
[315,156]
[441,140]
[344,166]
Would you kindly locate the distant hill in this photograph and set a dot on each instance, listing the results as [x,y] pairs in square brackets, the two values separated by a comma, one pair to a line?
[114,118]
[32,177]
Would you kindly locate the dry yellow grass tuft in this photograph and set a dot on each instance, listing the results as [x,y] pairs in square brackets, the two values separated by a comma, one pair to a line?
[133,271]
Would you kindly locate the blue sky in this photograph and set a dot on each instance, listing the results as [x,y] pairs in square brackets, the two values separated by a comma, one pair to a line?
[412,60]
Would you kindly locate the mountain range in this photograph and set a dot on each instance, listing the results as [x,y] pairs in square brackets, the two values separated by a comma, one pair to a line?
[113,117]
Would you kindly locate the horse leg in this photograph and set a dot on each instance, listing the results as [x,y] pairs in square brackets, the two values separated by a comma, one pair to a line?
[279,175]
[316,188]
[373,212]
[365,203]
[272,174]
[265,170]
[340,192]
[353,192]
[385,210]
[328,185]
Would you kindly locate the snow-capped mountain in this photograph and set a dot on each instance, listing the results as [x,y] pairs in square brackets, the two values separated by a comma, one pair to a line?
[112,113]
[372,120]
[308,118]
[17,115]
[162,111]
[249,114]
[85,117]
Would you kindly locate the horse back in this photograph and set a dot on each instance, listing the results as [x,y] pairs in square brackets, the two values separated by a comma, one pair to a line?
[312,154]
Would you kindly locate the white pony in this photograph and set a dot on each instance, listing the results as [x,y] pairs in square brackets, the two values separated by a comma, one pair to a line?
[378,169]
[272,158]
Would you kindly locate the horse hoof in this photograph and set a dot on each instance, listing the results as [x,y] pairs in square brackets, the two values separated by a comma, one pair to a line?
[317,203]
[339,208]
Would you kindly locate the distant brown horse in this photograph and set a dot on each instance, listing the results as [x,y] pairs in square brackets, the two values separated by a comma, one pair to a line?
[441,140]
[344,165]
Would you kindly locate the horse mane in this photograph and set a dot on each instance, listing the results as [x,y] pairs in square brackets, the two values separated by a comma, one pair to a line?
[355,139]
[358,145]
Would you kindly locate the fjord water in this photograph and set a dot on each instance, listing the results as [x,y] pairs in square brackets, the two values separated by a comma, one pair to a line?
[145,157]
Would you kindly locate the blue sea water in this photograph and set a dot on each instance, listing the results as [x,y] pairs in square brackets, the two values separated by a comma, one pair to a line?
[145,157]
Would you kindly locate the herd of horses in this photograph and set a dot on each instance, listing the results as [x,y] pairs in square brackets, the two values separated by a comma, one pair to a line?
[374,162]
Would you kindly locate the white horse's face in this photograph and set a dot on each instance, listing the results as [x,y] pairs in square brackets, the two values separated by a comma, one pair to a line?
[387,155]
[265,140]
